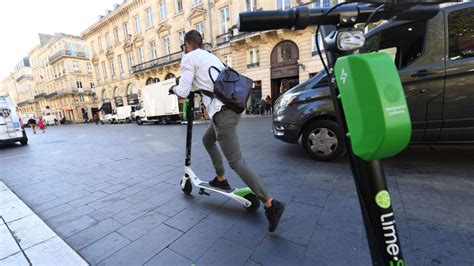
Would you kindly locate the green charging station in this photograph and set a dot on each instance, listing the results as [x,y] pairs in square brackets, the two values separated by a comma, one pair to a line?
[374,105]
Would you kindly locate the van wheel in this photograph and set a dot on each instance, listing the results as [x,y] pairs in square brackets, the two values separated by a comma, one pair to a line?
[323,140]
[24,141]
[164,120]
[139,121]
[127,120]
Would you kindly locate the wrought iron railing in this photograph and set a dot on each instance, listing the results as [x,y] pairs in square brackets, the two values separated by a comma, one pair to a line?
[157,63]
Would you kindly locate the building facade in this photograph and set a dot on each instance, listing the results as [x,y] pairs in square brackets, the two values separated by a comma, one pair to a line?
[139,42]
[56,78]
[64,84]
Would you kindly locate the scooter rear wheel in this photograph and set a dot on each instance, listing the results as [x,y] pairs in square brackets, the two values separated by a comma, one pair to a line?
[188,187]
[254,200]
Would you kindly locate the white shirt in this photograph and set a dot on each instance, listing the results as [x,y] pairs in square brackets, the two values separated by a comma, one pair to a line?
[195,76]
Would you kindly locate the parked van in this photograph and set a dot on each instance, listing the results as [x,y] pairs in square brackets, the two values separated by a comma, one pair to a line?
[11,130]
[49,119]
[156,105]
[435,60]
[125,114]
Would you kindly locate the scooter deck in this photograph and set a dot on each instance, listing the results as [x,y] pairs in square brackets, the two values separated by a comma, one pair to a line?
[206,185]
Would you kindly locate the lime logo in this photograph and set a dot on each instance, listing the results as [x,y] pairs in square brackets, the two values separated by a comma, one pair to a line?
[391,94]
[383,199]
[343,76]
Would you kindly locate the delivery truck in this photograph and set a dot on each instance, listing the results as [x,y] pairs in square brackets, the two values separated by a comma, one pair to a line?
[156,105]
[11,130]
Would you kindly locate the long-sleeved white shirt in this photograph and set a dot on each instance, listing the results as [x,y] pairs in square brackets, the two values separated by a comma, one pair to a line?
[195,76]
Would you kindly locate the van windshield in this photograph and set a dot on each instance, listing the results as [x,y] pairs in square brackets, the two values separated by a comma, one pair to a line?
[317,81]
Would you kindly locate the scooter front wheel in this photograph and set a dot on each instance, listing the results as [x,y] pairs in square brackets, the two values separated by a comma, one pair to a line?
[254,200]
[188,187]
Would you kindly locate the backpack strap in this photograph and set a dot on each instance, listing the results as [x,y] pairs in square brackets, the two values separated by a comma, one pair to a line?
[208,93]
[209,72]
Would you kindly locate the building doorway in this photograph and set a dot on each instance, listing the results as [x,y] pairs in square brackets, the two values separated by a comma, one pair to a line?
[284,68]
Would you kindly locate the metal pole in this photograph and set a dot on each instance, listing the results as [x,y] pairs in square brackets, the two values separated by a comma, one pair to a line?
[189,131]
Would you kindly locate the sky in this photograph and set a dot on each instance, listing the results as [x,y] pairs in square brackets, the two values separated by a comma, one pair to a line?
[22,20]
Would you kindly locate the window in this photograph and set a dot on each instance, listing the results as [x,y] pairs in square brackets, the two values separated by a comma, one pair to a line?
[314,49]
[153,50]
[89,68]
[79,84]
[138,28]
[227,60]
[91,84]
[178,4]
[252,58]
[97,72]
[225,20]
[200,27]
[72,48]
[85,50]
[126,32]
[196,2]
[75,67]
[130,60]
[100,43]
[104,69]
[461,33]
[112,68]
[149,18]
[251,5]
[166,45]
[107,39]
[116,35]
[140,54]
[181,38]
[162,10]
[406,50]
[120,62]
[283,4]
[320,4]
[93,47]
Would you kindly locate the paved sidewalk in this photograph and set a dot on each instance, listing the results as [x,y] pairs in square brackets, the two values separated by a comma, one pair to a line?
[112,193]
[26,240]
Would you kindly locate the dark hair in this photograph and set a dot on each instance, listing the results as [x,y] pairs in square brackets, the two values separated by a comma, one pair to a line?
[193,37]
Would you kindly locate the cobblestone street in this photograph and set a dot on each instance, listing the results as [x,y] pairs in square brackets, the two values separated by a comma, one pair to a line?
[112,193]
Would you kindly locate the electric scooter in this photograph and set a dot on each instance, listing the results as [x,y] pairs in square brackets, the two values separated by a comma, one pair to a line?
[244,196]
[368,99]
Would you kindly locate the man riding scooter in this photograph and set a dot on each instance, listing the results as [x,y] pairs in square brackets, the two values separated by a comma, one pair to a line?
[195,66]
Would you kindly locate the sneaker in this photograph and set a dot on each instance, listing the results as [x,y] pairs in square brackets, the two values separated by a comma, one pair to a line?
[274,214]
[219,184]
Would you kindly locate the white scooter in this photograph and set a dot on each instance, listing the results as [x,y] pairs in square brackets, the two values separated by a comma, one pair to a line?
[244,196]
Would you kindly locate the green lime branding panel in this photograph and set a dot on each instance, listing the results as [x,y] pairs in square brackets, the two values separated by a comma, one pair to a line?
[374,105]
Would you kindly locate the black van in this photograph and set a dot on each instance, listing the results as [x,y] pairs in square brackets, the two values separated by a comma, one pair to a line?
[435,59]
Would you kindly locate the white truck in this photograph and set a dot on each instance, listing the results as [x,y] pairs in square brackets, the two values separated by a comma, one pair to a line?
[124,114]
[50,119]
[11,130]
[156,105]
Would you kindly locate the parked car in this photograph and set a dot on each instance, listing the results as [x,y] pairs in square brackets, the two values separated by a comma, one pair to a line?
[435,59]
[108,118]
[50,119]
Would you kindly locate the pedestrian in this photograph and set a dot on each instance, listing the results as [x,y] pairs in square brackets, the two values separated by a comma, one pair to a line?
[268,102]
[195,65]
[41,125]
[96,118]
[32,124]
[263,106]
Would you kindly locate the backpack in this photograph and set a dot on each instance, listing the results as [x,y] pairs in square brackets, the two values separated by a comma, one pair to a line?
[230,88]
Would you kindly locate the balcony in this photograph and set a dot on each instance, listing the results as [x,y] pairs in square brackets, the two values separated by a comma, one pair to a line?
[63,53]
[157,63]
[40,95]
[51,95]
[252,65]
[24,77]
[223,38]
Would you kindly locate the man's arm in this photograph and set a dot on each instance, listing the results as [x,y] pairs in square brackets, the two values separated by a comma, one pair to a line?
[187,76]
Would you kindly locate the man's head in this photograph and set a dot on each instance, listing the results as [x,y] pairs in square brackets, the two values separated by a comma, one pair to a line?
[192,41]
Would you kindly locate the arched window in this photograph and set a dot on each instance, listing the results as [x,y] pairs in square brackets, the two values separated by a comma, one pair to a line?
[170,76]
